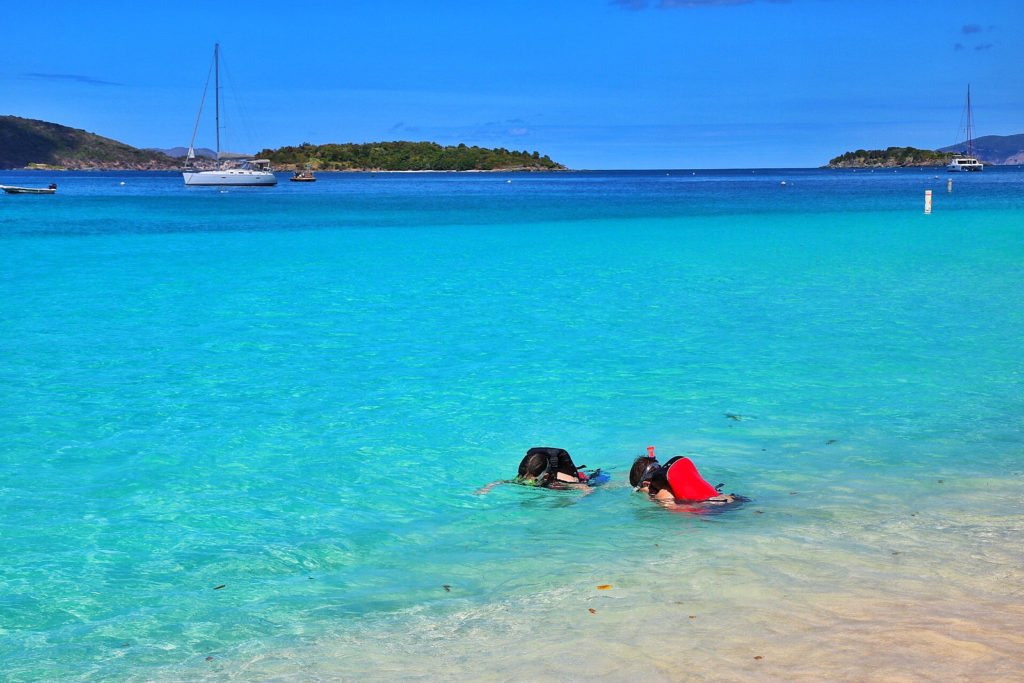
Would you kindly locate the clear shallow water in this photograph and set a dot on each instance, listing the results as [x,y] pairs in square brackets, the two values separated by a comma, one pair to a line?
[293,393]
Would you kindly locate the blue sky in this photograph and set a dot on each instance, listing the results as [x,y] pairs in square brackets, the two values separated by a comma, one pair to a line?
[592,83]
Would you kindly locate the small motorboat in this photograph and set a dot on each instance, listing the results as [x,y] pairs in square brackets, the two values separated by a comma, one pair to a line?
[303,176]
[12,189]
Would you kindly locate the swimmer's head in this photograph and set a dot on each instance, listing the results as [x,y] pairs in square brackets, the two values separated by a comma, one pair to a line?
[641,470]
[533,465]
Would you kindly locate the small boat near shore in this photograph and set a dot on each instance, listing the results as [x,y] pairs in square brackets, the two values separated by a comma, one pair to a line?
[13,189]
[305,176]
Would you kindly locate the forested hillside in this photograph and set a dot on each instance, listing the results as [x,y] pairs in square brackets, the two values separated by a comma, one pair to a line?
[29,142]
[405,156]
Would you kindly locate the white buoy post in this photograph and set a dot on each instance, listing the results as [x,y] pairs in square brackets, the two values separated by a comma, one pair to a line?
[927,201]
[949,185]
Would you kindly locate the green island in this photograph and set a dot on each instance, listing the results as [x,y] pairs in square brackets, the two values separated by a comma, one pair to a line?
[891,157]
[405,156]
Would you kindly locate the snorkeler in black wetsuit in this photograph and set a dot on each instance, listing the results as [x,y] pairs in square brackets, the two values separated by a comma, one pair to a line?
[550,468]
[543,464]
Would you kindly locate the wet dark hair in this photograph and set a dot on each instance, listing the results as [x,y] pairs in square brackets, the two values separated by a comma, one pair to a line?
[640,466]
[533,464]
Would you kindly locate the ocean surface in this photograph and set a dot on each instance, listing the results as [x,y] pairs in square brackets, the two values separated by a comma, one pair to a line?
[241,430]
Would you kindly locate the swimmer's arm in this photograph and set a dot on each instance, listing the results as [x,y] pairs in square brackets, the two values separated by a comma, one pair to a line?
[485,489]
[586,490]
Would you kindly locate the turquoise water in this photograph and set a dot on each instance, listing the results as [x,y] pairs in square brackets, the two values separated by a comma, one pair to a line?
[294,392]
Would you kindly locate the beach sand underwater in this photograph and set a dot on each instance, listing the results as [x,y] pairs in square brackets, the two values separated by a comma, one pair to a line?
[242,430]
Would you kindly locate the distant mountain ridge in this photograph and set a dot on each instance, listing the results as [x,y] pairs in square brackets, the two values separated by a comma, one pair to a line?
[1001,150]
[30,142]
[182,151]
[203,152]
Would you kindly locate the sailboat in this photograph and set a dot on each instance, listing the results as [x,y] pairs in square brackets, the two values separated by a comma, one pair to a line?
[966,162]
[251,172]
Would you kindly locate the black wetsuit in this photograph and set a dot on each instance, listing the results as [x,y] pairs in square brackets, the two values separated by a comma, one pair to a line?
[558,461]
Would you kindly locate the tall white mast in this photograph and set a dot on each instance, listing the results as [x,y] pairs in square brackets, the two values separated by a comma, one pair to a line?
[216,94]
[970,142]
[195,129]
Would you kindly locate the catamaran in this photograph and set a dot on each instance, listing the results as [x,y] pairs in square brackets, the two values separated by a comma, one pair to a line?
[966,162]
[251,172]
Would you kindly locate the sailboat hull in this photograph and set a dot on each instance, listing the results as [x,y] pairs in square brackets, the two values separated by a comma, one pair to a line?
[237,177]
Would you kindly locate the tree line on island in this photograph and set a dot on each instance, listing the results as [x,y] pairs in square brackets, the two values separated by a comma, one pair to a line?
[892,156]
[405,156]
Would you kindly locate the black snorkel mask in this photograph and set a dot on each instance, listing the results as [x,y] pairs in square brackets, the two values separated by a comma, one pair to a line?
[648,474]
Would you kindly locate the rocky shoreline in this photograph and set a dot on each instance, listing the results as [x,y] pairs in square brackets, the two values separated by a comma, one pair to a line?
[79,165]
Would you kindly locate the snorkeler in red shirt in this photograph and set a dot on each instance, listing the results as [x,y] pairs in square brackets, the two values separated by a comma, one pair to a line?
[676,480]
